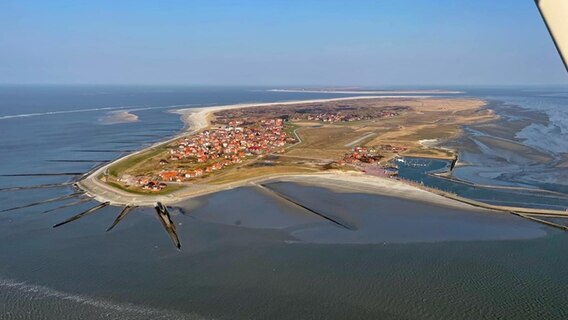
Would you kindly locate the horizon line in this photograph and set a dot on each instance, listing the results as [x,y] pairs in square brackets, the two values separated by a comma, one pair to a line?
[286,86]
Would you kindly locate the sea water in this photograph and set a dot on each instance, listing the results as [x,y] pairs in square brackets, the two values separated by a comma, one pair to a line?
[246,254]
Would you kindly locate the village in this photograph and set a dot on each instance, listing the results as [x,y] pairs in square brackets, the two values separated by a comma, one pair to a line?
[241,138]
[214,149]
[332,117]
[326,113]
[231,141]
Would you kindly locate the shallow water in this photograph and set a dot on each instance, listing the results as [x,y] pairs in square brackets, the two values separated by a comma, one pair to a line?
[235,271]
[246,254]
[381,219]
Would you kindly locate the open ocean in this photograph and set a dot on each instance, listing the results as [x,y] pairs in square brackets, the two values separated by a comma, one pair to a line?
[246,254]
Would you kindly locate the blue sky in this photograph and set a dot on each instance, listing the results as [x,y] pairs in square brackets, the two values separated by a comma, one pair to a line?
[294,42]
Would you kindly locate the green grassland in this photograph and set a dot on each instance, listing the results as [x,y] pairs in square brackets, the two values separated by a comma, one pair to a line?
[135,161]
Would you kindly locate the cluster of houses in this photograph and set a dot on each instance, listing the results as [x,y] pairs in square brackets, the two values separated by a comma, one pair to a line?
[392,148]
[367,160]
[143,182]
[332,117]
[361,155]
[231,143]
[152,185]
[217,148]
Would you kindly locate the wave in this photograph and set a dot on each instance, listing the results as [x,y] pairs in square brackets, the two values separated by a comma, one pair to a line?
[128,310]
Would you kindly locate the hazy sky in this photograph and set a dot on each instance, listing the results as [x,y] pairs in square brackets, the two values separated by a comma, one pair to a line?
[264,42]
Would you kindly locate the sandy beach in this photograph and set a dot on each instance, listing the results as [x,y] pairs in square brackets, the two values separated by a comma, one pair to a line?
[197,119]
[339,91]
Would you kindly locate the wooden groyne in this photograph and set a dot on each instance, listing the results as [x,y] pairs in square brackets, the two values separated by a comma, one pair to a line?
[39,186]
[527,213]
[553,215]
[447,177]
[164,216]
[288,199]
[105,151]
[479,204]
[68,196]
[69,205]
[77,161]
[82,214]
[42,174]
[125,211]
[548,223]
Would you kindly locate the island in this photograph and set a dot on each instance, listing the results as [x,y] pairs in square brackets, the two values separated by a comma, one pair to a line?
[351,139]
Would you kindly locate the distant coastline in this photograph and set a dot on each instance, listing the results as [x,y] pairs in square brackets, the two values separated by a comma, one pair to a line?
[352,91]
